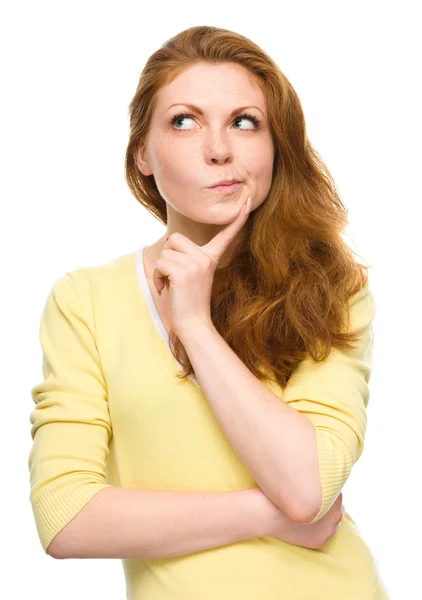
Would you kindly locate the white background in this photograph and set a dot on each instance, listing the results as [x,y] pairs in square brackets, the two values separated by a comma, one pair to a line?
[69,71]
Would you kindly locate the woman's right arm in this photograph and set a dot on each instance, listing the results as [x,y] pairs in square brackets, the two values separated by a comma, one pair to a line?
[133,523]
[77,513]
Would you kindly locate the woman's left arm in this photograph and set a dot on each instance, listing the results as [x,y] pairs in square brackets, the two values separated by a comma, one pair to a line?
[300,455]
[276,442]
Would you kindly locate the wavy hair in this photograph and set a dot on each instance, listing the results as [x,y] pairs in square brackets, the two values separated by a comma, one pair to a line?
[285,293]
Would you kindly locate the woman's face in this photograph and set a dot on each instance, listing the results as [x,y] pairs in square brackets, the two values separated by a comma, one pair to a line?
[191,154]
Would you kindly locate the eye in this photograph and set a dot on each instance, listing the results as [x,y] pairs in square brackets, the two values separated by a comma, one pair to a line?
[254,120]
[180,117]
[243,116]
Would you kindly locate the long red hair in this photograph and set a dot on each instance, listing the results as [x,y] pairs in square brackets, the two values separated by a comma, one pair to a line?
[285,293]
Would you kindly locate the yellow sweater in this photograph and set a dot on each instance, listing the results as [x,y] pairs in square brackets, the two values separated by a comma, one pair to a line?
[110,412]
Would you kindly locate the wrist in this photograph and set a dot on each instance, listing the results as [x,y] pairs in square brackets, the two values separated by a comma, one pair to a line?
[194,330]
[262,514]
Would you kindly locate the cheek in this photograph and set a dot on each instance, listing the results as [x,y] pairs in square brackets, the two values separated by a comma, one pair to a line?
[174,162]
[261,171]
[260,166]
[258,157]
[265,164]
[171,173]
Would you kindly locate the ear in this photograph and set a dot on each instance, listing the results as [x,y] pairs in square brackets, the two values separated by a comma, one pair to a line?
[142,162]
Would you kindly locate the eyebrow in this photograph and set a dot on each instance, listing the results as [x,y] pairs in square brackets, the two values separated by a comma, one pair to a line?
[201,112]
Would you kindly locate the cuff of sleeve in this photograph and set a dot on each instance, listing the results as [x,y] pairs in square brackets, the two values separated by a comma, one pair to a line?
[56,505]
[335,465]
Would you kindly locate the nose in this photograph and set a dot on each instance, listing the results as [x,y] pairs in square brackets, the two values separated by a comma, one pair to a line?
[217,150]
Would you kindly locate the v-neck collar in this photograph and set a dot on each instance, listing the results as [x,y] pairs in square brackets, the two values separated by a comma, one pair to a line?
[149,301]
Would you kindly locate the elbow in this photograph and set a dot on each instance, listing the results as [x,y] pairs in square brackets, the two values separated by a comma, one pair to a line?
[304,510]
[312,510]
[308,517]
[315,507]
[304,507]
[302,514]
[55,549]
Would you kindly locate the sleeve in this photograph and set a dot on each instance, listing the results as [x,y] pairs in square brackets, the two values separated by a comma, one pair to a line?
[333,395]
[70,424]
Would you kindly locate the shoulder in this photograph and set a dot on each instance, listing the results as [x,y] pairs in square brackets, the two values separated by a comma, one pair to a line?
[85,278]
[90,285]
[362,307]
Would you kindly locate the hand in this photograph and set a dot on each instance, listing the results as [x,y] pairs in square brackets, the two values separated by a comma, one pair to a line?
[308,535]
[188,272]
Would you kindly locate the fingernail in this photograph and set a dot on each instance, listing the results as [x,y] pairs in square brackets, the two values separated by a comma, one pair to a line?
[248,205]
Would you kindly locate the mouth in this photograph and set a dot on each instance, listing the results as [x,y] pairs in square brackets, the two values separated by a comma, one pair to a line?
[227,188]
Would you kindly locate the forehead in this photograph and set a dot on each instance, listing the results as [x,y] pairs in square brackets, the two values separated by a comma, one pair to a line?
[207,84]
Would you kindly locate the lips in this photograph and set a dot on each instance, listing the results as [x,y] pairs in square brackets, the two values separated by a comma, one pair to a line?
[226,189]
[227,182]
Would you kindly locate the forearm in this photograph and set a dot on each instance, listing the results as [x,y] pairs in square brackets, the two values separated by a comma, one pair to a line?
[276,443]
[132,523]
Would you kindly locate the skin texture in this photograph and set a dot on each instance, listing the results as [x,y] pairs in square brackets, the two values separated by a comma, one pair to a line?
[195,152]
[188,271]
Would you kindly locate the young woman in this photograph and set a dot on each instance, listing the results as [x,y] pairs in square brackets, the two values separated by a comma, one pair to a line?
[204,397]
